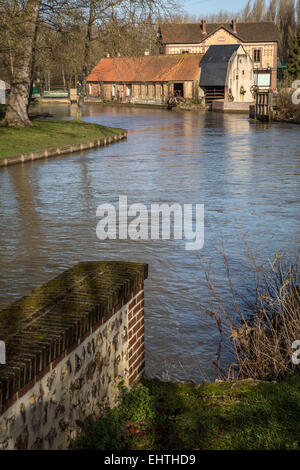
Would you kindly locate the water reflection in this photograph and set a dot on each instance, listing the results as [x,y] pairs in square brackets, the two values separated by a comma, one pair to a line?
[246,175]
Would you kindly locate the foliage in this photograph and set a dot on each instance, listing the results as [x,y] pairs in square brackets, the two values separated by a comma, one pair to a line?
[2,110]
[285,13]
[182,416]
[286,110]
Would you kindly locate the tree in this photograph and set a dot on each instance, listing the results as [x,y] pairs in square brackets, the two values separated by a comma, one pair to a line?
[293,63]
[16,114]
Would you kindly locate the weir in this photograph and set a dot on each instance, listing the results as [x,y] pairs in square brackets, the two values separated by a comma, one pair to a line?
[69,345]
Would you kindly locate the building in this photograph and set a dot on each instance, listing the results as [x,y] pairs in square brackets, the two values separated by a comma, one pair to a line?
[227,74]
[146,79]
[259,40]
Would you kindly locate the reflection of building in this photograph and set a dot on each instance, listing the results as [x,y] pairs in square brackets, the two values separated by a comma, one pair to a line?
[227,74]
[258,39]
[145,79]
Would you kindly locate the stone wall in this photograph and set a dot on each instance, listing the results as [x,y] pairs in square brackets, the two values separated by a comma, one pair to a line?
[139,93]
[70,343]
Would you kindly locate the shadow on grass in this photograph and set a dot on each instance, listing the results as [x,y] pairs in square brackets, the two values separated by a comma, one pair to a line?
[222,415]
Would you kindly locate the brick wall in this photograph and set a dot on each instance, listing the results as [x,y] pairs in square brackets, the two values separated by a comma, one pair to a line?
[70,343]
[136,350]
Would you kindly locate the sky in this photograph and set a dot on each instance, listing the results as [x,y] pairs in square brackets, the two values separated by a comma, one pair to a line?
[206,7]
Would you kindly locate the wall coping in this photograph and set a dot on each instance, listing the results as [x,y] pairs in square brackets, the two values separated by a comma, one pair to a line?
[56,317]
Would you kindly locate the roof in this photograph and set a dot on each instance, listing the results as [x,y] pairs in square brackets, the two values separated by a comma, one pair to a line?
[161,68]
[192,32]
[214,64]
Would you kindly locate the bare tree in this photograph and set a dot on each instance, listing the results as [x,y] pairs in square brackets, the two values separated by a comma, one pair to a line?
[246,12]
[258,10]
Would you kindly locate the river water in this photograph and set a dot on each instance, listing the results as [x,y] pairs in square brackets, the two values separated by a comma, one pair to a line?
[246,175]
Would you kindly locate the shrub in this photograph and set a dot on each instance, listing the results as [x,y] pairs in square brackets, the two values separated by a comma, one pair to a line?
[285,109]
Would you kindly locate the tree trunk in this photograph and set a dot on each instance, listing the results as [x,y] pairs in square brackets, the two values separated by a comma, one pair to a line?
[16,114]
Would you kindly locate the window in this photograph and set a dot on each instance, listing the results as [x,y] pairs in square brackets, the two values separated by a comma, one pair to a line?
[257,55]
[113,90]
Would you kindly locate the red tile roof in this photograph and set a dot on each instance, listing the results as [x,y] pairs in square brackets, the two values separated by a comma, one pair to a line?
[181,33]
[162,68]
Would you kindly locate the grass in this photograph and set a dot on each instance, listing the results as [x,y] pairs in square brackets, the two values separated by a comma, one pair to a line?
[156,415]
[43,134]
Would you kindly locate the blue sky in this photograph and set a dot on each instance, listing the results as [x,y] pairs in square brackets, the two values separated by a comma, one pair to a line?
[206,7]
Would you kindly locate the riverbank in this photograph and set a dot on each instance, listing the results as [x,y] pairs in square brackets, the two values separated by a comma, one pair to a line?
[181,416]
[46,138]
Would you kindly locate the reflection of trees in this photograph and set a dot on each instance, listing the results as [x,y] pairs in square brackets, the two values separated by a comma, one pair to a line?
[29,218]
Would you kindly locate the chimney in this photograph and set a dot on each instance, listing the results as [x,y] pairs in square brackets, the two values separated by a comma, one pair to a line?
[107,55]
[233,25]
[203,26]
[119,54]
[147,52]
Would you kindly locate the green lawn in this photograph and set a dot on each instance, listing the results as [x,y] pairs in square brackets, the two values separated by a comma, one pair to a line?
[43,134]
[222,415]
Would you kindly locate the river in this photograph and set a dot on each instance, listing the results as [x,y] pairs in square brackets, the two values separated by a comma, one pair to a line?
[246,175]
